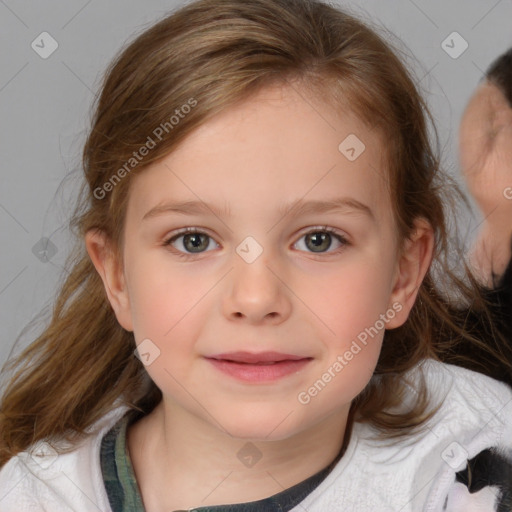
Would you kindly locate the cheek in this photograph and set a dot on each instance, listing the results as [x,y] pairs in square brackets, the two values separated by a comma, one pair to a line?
[351,332]
[353,306]
[170,304]
[162,295]
[351,301]
[169,308]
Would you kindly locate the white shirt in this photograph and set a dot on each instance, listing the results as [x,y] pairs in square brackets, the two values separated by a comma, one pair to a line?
[413,474]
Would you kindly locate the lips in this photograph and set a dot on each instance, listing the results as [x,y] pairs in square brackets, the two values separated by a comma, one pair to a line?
[261,368]
[263,358]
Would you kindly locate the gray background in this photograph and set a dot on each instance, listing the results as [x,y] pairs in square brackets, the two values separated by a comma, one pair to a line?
[45,110]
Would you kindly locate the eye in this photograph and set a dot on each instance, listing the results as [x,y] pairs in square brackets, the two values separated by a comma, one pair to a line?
[319,240]
[190,241]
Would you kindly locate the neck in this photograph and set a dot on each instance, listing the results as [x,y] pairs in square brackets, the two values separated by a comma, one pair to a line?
[182,461]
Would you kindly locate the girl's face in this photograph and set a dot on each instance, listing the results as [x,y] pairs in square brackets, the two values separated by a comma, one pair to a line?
[319,281]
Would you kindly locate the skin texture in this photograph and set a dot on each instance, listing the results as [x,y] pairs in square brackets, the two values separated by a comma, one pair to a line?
[254,158]
[485,149]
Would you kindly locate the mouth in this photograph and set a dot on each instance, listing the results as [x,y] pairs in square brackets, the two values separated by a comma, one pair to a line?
[265,366]
[261,358]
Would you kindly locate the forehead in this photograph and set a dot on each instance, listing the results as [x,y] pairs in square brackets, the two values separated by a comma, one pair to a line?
[485,102]
[280,145]
[485,115]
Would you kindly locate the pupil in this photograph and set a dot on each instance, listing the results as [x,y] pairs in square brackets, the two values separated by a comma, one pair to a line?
[319,238]
[195,238]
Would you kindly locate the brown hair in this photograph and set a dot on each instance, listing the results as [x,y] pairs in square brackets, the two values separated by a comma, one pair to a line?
[213,54]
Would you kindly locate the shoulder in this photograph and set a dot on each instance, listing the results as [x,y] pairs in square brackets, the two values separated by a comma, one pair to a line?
[470,459]
[468,399]
[50,476]
[419,471]
[467,406]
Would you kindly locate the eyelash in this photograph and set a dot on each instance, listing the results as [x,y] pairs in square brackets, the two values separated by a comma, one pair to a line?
[186,231]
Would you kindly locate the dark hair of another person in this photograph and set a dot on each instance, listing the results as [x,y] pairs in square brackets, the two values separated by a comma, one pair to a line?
[500,74]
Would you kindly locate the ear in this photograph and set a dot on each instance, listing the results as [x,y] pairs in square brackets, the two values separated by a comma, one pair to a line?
[110,270]
[413,263]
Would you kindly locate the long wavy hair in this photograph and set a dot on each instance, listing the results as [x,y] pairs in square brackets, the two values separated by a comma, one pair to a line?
[212,54]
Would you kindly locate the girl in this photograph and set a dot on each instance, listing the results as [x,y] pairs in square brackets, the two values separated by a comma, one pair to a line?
[254,320]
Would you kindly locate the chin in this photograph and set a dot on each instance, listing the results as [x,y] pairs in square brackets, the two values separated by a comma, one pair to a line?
[258,426]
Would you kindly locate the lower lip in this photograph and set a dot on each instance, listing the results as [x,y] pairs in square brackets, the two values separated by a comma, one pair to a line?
[259,372]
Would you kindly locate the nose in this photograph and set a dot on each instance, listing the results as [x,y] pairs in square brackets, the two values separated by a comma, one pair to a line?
[256,293]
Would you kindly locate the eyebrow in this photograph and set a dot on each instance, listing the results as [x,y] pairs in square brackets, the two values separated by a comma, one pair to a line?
[299,207]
